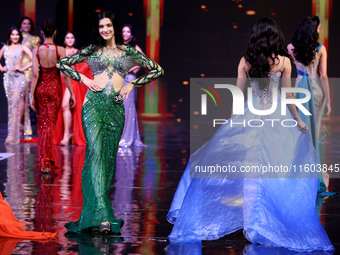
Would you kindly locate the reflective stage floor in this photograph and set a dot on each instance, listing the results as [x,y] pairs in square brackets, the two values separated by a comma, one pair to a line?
[144,185]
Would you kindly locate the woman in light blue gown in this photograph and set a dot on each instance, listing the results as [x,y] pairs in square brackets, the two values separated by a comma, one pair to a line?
[273,210]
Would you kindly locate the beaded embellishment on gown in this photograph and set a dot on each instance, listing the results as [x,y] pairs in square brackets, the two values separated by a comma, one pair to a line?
[14,82]
[103,122]
[48,97]
[319,96]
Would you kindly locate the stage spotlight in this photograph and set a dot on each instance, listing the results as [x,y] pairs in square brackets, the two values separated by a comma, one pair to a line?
[202,75]
[130,14]
[250,12]
[185,82]
[203,6]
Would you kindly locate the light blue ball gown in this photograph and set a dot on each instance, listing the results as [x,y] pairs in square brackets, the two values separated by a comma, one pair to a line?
[278,212]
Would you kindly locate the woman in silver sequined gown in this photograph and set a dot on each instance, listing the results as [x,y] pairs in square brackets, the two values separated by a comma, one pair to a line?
[14,80]
[310,58]
[316,68]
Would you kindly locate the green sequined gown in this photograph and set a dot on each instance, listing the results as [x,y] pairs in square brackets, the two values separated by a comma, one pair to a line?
[103,123]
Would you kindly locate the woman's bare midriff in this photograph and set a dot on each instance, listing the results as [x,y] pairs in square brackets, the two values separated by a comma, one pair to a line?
[103,78]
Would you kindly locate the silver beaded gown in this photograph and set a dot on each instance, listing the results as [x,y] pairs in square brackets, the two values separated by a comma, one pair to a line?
[319,96]
[14,84]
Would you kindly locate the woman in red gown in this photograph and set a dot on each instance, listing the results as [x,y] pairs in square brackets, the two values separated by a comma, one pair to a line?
[46,94]
[69,128]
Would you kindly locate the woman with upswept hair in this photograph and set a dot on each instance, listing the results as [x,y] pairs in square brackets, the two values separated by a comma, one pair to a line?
[46,94]
[273,208]
[310,58]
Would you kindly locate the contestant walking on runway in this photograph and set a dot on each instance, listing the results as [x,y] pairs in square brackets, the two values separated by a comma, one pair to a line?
[46,94]
[310,58]
[103,116]
[271,211]
[14,80]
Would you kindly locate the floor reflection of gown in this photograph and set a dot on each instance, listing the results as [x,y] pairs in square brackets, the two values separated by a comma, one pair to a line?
[276,212]
[127,163]
[48,96]
[131,135]
[79,93]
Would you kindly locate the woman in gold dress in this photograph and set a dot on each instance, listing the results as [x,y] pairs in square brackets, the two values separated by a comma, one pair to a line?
[31,41]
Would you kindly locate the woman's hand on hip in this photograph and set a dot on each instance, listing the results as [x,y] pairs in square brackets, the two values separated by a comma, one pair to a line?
[125,91]
[92,84]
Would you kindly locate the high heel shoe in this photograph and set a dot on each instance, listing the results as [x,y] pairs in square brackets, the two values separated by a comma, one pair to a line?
[105,227]
[67,141]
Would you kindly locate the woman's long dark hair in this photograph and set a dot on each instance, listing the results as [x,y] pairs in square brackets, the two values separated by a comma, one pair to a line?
[9,42]
[98,41]
[266,41]
[31,32]
[133,40]
[305,40]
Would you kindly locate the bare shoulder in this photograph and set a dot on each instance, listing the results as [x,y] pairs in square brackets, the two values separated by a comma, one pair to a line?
[61,49]
[243,64]
[35,49]
[139,49]
[243,68]
[3,48]
[25,48]
[290,46]
[323,50]
[286,61]
[290,49]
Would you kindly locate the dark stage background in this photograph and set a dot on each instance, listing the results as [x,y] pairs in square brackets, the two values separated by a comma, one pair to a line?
[193,41]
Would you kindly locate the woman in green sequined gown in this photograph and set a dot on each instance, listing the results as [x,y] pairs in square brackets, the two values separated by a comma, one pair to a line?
[103,116]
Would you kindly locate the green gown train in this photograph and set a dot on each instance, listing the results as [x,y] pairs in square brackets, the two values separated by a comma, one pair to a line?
[103,122]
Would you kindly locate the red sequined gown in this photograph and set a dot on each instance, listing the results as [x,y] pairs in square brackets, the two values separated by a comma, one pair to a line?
[48,97]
